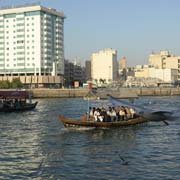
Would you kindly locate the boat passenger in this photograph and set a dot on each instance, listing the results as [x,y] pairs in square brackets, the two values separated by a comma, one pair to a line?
[132,112]
[109,114]
[122,114]
[117,113]
[100,117]
[91,112]
[113,114]
[103,113]
[128,113]
[96,115]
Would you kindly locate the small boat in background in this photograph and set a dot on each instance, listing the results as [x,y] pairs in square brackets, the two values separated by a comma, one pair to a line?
[70,123]
[16,100]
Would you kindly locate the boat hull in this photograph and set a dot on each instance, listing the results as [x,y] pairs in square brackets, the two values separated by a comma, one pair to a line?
[26,107]
[69,123]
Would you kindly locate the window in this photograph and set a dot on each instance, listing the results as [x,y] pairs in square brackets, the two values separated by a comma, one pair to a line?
[20,30]
[19,19]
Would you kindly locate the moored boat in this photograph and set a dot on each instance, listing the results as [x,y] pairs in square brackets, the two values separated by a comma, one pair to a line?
[70,123]
[15,101]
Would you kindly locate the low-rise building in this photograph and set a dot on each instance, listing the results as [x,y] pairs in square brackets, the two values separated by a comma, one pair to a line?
[74,72]
[165,60]
[166,75]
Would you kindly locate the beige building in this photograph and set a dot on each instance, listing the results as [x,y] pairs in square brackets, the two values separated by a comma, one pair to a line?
[165,60]
[123,63]
[157,60]
[141,71]
[166,75]
[104,66]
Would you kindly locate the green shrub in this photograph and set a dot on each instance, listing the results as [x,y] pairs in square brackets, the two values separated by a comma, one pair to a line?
[16,83]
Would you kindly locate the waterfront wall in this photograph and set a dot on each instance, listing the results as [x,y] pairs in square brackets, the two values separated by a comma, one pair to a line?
[121,92]
[58,93]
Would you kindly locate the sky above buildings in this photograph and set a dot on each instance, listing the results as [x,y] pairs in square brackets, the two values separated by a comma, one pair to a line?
[135,28]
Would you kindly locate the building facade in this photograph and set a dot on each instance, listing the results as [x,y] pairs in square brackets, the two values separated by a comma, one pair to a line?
[165,60]
[166,75]
[31,41]
[74,72]
[104,66]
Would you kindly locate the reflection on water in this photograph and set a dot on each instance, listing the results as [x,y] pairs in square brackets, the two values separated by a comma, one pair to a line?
[35,145]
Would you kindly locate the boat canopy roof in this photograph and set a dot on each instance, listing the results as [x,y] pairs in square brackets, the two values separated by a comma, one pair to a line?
[14,94]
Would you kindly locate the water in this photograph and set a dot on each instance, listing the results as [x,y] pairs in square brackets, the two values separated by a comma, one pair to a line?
[35,145]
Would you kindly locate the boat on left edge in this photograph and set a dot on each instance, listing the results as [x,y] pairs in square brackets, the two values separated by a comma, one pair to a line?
[16,101]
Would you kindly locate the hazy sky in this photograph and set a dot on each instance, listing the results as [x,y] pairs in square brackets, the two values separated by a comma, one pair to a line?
[134,28]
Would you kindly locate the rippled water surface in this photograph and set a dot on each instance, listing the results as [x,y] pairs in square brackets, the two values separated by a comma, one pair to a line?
[35,145]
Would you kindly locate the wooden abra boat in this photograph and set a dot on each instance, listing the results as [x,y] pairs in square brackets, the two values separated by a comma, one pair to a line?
[13,101]
[69,123]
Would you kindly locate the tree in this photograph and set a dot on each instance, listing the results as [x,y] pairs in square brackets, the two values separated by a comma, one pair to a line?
[5,84]
[16,83]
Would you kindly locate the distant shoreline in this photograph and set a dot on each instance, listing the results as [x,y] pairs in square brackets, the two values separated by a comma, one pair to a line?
[120,93]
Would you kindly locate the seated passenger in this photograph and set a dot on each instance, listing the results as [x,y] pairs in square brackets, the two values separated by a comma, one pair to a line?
[132,112]
[113,114]
[103,113]
[96,115]
[122,114]
[128,113]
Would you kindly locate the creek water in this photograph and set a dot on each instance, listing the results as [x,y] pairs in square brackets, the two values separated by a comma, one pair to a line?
[35,145]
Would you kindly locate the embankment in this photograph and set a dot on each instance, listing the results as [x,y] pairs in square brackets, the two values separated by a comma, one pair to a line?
[121,92]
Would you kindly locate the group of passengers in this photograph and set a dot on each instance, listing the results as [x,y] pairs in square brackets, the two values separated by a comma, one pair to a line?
[12,103]
[111,114]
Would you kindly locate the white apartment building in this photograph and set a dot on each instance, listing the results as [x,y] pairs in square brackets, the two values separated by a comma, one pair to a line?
[31,41]
[104,66]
